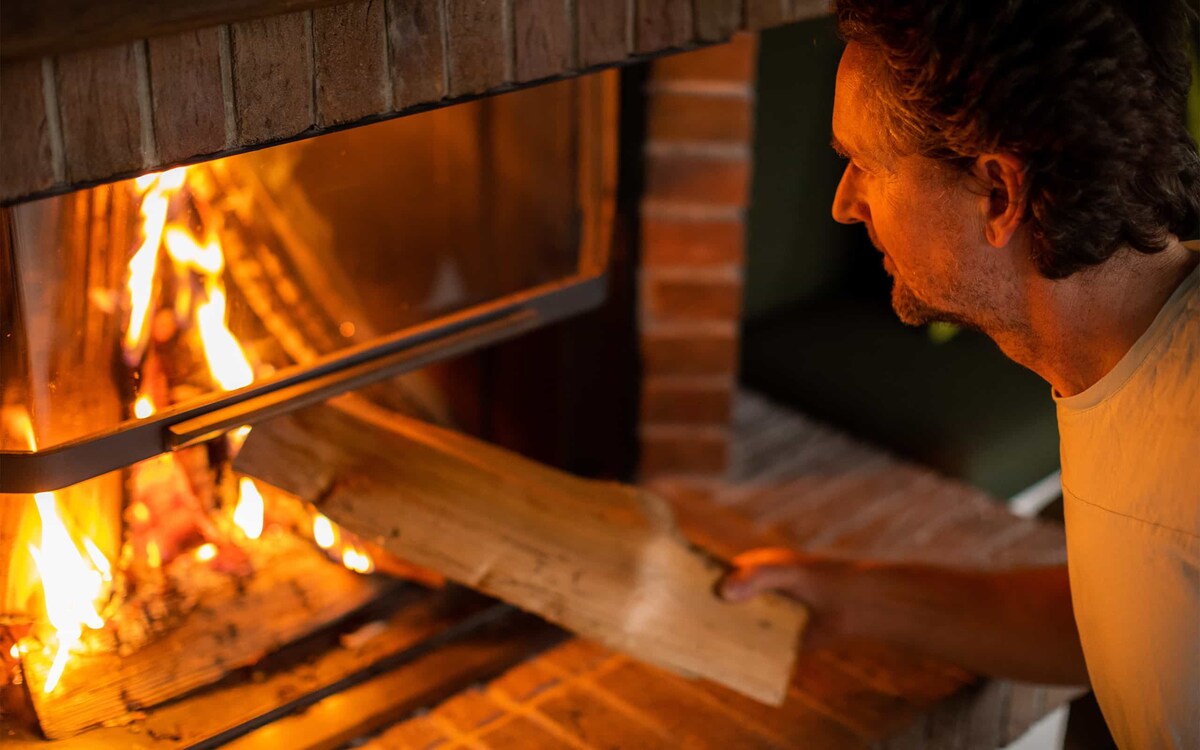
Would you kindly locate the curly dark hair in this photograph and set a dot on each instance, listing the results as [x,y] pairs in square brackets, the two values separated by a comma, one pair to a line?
[1091,94]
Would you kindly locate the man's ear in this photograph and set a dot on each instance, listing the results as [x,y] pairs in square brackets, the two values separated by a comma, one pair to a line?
[1003,179]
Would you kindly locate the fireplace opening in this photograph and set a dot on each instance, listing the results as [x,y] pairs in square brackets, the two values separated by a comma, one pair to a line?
[149,322]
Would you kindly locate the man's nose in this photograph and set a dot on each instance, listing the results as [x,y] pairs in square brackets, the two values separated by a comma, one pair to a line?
[847,206]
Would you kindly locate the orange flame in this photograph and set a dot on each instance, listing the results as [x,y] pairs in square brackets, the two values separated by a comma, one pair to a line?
[139,284]
[73,582]
[248,515]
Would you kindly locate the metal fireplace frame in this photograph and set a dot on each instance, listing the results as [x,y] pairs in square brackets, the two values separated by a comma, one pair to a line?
[403,351]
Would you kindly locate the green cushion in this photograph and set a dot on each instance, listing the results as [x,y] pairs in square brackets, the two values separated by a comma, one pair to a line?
[959,406]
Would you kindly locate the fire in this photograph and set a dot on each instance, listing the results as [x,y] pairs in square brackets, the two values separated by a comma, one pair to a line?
[248,515]
[143,407]
[323,533]
[73,582]
[139,284]
[357,560]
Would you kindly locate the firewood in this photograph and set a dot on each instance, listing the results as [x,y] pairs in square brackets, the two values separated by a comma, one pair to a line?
[601,559]
[234,623]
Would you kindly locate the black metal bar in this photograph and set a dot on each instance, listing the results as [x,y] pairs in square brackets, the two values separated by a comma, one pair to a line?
[133,441]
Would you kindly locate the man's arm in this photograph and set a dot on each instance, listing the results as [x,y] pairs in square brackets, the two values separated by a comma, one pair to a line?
[1016,624]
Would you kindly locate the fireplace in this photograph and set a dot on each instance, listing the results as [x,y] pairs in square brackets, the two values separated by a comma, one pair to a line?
[153,320]
[214,219]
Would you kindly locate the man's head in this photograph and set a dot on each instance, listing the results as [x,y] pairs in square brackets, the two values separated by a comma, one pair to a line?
[996,138]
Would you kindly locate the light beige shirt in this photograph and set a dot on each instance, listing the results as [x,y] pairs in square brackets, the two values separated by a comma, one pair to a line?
[1131,484]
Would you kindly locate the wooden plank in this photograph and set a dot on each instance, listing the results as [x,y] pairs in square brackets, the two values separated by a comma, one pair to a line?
[763,14]
[28,162]
[416,37]
[272,77]
[186,94]
[603,31]
[30,28]
[350,43]
[235,623]
[543,39]
[101,116]
[600,559]
[478,50]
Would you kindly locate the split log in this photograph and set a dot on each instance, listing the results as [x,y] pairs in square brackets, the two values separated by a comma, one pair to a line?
[604,560]
[236,622]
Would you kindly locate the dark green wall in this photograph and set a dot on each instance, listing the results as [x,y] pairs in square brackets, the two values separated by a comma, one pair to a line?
[796,252]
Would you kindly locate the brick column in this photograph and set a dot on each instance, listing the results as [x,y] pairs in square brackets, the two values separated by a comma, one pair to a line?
[697,157]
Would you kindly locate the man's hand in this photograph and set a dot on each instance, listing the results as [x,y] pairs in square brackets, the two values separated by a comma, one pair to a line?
[1015,623]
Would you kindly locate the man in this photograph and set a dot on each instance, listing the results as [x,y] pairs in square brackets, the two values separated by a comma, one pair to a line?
[1024,168]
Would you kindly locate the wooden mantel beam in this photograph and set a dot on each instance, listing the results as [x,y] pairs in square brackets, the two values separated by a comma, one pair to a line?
[601,559]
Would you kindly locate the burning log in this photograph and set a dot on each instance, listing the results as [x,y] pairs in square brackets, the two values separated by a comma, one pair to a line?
[604,560]
[234,623]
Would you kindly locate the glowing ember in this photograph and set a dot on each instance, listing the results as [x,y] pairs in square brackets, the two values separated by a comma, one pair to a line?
[359,562]
[15,651]
[323,532]
[206,552]
[248,515]
[143,407]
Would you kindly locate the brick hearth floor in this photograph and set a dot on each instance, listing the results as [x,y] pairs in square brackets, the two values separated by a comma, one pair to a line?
[794,482]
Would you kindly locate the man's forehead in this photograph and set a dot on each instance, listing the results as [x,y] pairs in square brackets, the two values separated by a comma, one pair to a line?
[856,124]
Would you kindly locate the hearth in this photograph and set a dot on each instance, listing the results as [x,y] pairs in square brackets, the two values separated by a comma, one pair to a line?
[149,323]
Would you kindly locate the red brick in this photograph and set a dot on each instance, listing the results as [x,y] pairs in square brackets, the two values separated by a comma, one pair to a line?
[415,46]
[682,711]
[525,681]
[187,94]
[28,161]
[576,656]
[692,178]
[417,733]
[350,42]
[716,19]
[731,62]
[683,450]
[662,24]
[521,733]
[469,710]
[692,297]
[478,51]
[598,724]
[795,722]
[868,712]
[272,77]
[697,117]
[543,38]
[101,117]
[705,349]
[687,400]
[602,31]
[673,242]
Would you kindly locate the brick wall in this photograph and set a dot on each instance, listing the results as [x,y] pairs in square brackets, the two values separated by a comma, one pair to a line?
[697,166]
[79,115]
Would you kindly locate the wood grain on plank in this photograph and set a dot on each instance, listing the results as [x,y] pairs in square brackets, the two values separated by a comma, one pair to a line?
[662,24]
[604,560]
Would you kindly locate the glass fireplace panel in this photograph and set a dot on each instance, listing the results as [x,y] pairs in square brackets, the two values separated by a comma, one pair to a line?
[143,314]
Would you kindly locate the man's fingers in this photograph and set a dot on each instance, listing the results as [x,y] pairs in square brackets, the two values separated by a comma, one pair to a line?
[746,582]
